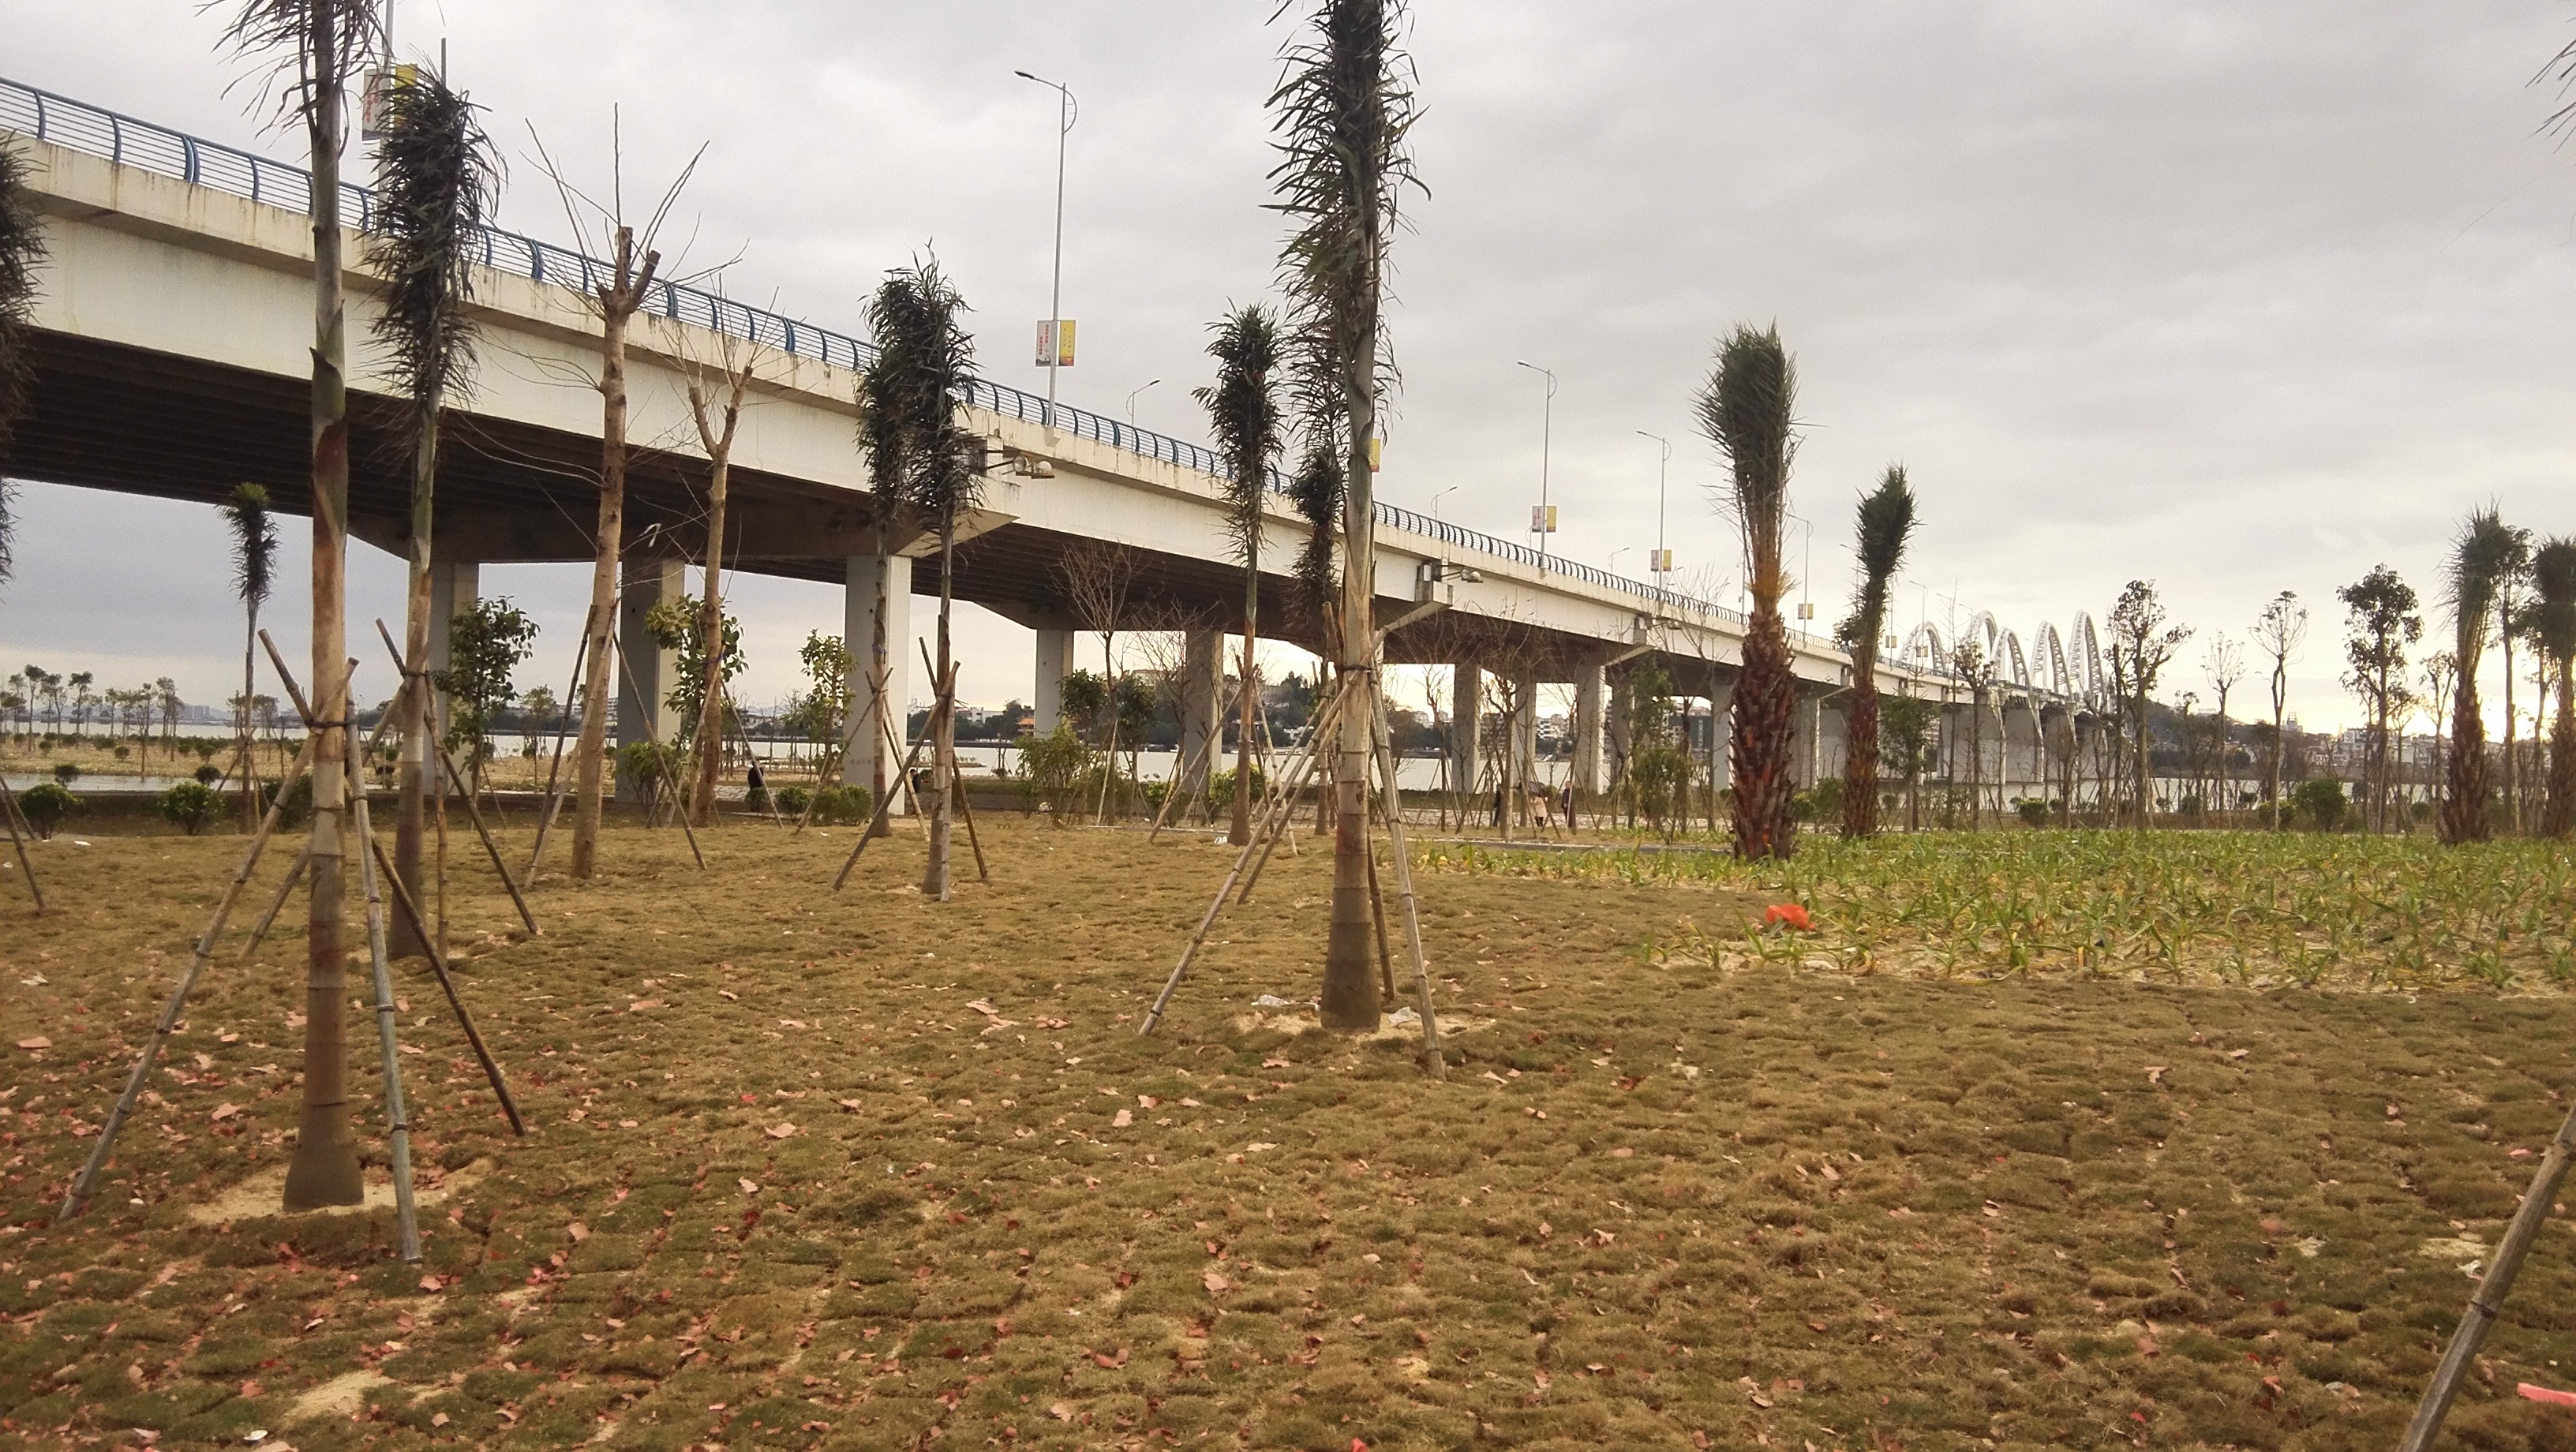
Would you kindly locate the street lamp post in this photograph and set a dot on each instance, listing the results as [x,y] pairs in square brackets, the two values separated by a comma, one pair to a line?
[1662,468]
[1546,439]
[1131,402]
[1435,501]
[1066,112]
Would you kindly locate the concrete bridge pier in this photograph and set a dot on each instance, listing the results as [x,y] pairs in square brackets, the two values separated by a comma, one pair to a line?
[1524,742]
[1200,706]
[646,673]
[1055,662]
[1589,688]
[454,586]
[858,633]
[1466,706]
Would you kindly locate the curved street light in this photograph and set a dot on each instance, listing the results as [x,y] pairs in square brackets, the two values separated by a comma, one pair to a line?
[1067,111]
[1546,431]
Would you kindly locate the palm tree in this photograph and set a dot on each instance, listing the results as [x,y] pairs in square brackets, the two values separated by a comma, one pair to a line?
[322,42]
[254,566]
[1343,108]
[913,391]
[883,428]
[2553,578]
[435,177]
[1749,410]
[2480,558]
[1243,408]
[1886,523]
[22,247]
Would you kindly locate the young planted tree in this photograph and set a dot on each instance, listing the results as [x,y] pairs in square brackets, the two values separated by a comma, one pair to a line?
[1749,410]
[1907,728]
[485,644]
[2486,552]
[716,397]
[2143,645]
[2380,622]
[915,390]
[322,43]
[1343,108]
[2225,662]
[1243,410]
[2441,675]
[634,264]
[1886,522]
[435,178]
[2553,579]
[2280,631]
[254,566]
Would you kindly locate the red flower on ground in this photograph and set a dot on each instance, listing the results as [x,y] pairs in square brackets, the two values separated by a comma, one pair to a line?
[1791,914]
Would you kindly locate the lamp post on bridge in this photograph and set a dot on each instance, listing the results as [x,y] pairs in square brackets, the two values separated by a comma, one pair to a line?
[1131,401]
[1543,521]
[1067,110]
[1663,563]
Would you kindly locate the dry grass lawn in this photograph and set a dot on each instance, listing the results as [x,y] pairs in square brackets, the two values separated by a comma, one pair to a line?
[863,1171]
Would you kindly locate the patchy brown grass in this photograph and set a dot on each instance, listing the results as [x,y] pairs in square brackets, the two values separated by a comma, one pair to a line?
[818,1171]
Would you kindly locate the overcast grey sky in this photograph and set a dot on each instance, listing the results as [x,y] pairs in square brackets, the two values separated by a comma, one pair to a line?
[2238,298]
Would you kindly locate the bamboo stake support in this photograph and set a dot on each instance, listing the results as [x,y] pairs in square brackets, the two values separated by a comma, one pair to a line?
[840,760]
[2492,1289]
[878,820]
[9,809]
[406,1213]
[1377,911]
[1433,1063]
[277,904]
[447,985]
[1312,753]
[554,774]
[627,670]
[473,813]
[1189,769]
[1273,819]
[956,773]
[87,1179]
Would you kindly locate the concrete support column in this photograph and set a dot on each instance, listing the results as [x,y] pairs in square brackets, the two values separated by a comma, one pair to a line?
[1588,690]
[1055,662]
[1621,725]
[1466,705]
[1202,691]
[859,628]
[645,672]
[1802,740]
[454,586]
[1721,733]
[1525,733]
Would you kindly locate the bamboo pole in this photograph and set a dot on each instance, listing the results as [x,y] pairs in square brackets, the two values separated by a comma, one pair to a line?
[1432,1060]
[878,820]
[626,670]
[87,1179]
[2492,1288]
[1189,769]
[285,890]
[554,774]
[1377,912]
[1273,819]
[473,814]
[447,985]
[1312,750]
[406,1213]
[9,809]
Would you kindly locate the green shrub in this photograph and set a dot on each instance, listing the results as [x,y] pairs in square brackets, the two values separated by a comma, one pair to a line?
[792,800]
[123,752]
[2033,810]
[67,772]
[190,804]
[210,774]
[839,806]
[299,802]
[1054,765]
[46,804]
[2320,803]
[1221,785]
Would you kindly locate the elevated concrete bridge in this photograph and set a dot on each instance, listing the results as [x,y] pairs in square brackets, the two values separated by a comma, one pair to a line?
[174,322]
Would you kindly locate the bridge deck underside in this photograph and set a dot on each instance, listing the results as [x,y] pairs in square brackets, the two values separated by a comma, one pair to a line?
[112,417]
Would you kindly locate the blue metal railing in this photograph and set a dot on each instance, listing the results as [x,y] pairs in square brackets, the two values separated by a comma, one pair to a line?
[129,142]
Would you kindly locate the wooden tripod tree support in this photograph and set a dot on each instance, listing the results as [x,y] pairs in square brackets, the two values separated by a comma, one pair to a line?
[1274,818]
[956,773]
[626,670]
[1433,1064]
[554,774]
[87,1179]
[27,869]
[1189,769]
[2492,1289]
[1327,714]
[473,813]
[411,910]
[398,1132]
[878,819]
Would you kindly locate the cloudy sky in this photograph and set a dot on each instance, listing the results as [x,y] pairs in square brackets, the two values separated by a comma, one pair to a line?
[2237,298]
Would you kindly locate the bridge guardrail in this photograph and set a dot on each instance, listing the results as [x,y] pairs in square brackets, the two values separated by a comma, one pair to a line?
[127,141]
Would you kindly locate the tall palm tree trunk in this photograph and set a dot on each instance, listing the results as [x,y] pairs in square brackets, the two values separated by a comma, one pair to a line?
[880,679]
[2560,818]
[1758,756]
[324,1167]
[250,681]
[943,725]
[1349,1001]
[1239,832]
[1860,749]
[413,700]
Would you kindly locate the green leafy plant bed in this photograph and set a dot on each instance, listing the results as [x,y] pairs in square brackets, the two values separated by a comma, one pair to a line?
[849,1170]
